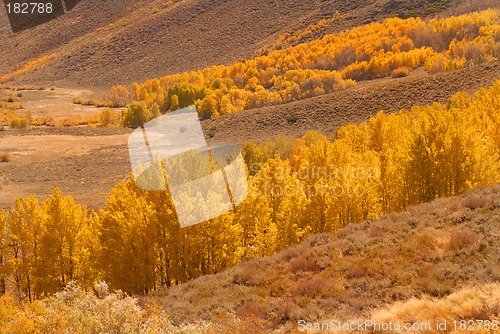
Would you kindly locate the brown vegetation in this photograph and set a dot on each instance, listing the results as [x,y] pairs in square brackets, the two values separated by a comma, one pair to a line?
[5,156]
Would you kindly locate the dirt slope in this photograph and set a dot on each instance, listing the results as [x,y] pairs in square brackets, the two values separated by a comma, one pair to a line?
[104,42]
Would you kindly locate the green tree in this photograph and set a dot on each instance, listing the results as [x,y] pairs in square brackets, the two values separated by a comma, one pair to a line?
[136,115]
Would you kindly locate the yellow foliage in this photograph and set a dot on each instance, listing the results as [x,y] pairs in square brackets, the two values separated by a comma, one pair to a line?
[27,67]
[333,62]
[308,185]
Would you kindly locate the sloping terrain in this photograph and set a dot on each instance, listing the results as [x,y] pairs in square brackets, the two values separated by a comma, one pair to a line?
[429,250]
[101,43]
[434,264]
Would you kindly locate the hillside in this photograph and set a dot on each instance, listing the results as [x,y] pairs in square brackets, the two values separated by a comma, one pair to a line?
[432,263]
[370,134]
[101,43]
[430,250]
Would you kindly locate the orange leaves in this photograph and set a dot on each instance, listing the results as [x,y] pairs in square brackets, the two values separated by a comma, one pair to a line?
[394,47]
[28,67]
[308,185]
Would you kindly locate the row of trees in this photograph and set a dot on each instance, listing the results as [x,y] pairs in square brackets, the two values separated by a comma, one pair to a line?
[313,185]
[393,47]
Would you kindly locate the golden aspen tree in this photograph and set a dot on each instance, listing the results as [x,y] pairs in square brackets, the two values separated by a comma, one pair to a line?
[26,226]
[259,236]
[26,231]
[394,47]
[207,107]
[4,249]
[136,115]
[127,236]
[286,198]
[118,95]
[174,102]
[62,241]
[167,238]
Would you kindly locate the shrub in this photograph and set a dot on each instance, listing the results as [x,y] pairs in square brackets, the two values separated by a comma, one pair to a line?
[292,119]
[20,123]
[310,286]
[93,102]
[303,264]
[76,121]
[459,217]
[137,114]
[400,72]
[461,239]
[108,117]
[287,311]
[356,270]
[9,98]
[474,202]
[77,311]
[5,156]
[252,308]
[212,131]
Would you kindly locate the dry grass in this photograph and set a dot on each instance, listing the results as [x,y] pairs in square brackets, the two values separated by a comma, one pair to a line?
[93,102]
[76,121]
[470,303]
[77,311]
[474,202]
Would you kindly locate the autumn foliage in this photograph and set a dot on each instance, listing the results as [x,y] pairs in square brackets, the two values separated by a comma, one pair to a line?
[394,47]
[136,244]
